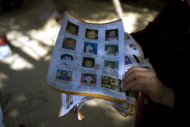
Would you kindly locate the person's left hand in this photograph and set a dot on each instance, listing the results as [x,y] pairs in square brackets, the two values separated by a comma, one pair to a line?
[146,81]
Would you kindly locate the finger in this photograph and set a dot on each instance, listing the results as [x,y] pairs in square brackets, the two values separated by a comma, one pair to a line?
[128,86]
[136,69]
[139,84]
[133,69]
[135,74]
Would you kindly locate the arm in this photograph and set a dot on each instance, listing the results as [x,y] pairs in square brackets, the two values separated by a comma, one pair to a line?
[146,81]
[157,29]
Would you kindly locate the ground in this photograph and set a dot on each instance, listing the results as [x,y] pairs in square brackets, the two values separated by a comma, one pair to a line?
[32,29]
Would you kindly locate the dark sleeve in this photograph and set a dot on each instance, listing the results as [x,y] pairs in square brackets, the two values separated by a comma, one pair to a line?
[156,28]
[179,81]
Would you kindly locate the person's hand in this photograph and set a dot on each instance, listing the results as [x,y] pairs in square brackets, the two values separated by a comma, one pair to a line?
[146,81]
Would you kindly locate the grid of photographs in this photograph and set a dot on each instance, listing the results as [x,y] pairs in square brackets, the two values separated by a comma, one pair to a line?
[86,56]
[87,43]
[91,59]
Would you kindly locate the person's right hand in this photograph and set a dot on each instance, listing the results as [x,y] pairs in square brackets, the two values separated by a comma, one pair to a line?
[146,81]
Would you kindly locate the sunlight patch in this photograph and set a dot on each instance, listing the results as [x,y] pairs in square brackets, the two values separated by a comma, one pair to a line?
[16,62]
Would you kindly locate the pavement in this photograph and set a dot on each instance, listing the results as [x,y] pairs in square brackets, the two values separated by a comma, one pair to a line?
[25,97]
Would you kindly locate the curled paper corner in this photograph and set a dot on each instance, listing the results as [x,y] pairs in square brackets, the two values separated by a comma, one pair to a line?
[80,116]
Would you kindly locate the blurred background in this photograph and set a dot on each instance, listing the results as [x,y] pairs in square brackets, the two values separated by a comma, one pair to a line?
[30,28]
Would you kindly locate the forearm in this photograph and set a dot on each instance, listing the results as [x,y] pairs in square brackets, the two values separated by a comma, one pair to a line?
[167,97]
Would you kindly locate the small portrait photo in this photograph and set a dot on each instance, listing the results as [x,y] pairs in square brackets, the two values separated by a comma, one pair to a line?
[112,35]
[66,59]
[88,62]
[111,67]
[116,84]
[127,60]
[63,75]
[69,43]
[91,34]
[111,50]
[90,47]
[88,79]
[132,46]
[106,82]
[72,28]
[69,100]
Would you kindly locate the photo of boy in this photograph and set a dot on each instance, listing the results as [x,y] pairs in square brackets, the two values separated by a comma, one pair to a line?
[72,28]
[111,35]
[63,75]
[111,50]
[91,34]
[69,43]
[111,83]
[66,59]
[111,68]
[69,100]
[88,79]
[90,48]
[88,62]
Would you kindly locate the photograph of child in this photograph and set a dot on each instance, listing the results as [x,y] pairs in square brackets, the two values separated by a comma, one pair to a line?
[116,84]
[106,82]
[69,43]
[69,100]
[66,59]
[111,83]
[91,34]
[72,28]
[111,50]
[88,62]
[127,60]
[111,35]
[90,48]
[63,75]
[111,68]
[88,79]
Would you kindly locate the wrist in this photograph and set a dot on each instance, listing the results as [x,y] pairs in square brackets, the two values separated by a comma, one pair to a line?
[167,97]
